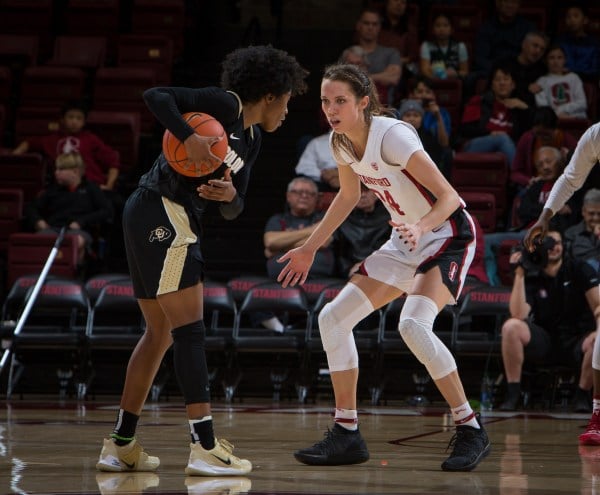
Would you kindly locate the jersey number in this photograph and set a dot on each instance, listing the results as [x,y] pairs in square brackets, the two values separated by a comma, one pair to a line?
[387,198]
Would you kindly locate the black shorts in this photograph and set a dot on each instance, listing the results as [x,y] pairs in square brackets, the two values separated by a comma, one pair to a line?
[162,245]
[544,349]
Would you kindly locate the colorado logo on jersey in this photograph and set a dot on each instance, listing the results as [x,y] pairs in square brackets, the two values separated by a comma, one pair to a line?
[159,234]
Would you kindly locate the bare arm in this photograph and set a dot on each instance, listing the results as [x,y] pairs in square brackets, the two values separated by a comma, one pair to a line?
[299,260]
[518,306]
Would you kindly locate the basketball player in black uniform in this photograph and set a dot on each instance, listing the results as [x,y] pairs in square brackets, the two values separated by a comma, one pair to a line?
[161,222]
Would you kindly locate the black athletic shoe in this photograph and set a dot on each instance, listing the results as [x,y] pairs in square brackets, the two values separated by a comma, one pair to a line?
[340,446]
[470,444]
[511,403]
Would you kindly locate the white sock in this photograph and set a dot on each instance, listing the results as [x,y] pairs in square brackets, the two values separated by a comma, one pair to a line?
[346,418]
[464,415]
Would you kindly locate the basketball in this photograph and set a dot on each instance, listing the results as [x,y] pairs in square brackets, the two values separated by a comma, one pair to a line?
[174,150]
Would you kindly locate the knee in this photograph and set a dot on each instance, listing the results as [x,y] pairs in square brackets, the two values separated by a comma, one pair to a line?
[512,330]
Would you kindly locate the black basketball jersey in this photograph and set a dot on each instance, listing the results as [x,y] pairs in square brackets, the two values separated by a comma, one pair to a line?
[243,145]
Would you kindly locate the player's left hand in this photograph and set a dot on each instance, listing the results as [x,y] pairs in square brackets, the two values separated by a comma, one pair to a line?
[408,232]
[218,189]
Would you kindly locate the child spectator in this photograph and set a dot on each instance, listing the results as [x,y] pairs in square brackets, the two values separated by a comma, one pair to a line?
[561,89]
[443,57]
[411,111]
[101,161]
[582,49]
[436,120]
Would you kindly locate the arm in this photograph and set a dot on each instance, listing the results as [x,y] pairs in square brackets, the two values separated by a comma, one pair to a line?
[425,60]
[518,305]
[300,259]
[585,156]
[426,173]
[111,179]
[22,148]
[390,76]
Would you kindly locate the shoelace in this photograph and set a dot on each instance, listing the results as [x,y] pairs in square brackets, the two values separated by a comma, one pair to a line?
[328,441]
[458,442]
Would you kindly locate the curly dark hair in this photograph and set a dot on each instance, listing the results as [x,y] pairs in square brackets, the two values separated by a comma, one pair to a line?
[256,71]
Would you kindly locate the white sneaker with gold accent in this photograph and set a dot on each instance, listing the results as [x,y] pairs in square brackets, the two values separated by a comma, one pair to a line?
[130,457]
[218,461]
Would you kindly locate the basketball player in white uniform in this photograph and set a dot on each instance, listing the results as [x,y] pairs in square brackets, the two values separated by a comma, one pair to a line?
[585,157]
[427,257]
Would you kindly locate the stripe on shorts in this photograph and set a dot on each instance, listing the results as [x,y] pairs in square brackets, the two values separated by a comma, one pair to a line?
[177,252]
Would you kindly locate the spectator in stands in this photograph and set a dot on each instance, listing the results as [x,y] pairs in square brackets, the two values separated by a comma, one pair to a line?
[561,89]
[400,33]
[355,55]
[363,231]
[317,163]
[549,164]
[411,111]
[71,200]
[544,132]
[443,57]
[498,37]
[384,62]
[550,318]
[581,48]
[494,120]
[583,239]
[529,66]
[101,161]
[436,120]
[291,228]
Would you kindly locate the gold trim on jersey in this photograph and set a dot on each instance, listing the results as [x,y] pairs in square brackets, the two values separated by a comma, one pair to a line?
[173,265]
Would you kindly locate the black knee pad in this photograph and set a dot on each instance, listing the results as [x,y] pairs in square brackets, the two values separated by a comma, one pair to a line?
[190,362]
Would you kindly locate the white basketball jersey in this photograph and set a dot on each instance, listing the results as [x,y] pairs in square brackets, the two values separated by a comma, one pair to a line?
[406,200]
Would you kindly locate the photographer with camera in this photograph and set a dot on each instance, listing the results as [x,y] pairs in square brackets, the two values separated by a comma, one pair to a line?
[551,320]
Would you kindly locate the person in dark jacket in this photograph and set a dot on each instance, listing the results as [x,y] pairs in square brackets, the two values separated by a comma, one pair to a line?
[72,201]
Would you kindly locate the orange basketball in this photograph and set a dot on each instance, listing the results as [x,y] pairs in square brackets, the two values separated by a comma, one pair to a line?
[174,150]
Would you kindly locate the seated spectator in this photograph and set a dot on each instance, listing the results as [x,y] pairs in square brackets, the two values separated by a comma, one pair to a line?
[71,200]
[318,163]
[443,57]
[561,89]
[494,120]
[581,48]
[384,63]
[400,33]
[549,164]
[529,66]
[411,111]
[436,120]
[583,239]
[363,232]
[291,228]
[544,132]
[355,55]
[101,161]
[551,320]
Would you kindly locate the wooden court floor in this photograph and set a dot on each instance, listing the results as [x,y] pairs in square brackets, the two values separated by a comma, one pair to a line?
[51,447]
